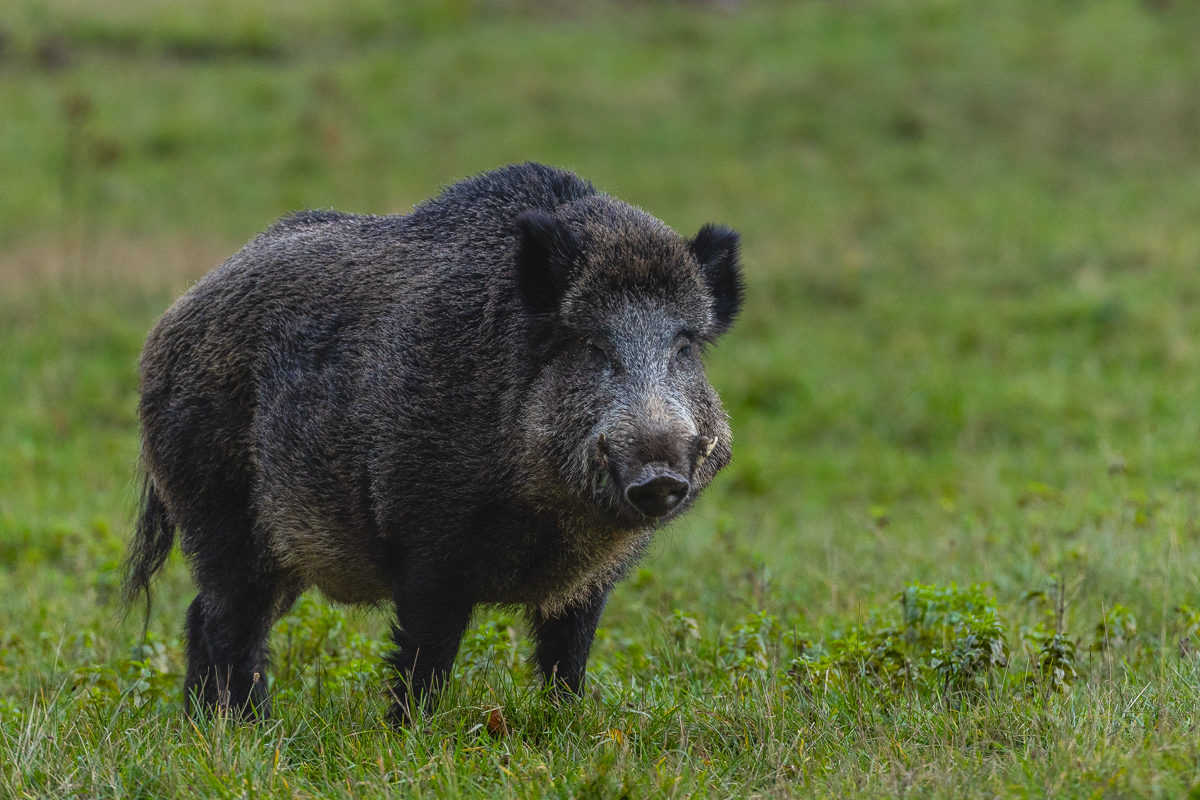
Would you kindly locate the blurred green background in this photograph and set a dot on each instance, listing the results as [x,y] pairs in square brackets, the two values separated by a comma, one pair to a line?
[971,237]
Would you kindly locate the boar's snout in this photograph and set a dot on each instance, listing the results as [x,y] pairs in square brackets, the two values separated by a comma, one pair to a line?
[655,469]
[656,493]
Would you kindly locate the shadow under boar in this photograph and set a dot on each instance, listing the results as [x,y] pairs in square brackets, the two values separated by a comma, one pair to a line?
[497,398]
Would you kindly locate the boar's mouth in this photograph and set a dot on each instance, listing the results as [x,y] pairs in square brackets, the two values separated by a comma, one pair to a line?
[654,490]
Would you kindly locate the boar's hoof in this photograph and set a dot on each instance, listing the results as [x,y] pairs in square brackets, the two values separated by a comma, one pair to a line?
[657,495]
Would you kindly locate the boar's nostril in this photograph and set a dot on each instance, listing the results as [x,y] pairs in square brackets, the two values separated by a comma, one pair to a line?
[657,495]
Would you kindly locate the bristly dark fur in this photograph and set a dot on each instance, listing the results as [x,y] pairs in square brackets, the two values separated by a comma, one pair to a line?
[497,398]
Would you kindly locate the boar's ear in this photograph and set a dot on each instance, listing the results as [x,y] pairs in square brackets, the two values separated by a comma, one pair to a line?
[546,251]
[715,248]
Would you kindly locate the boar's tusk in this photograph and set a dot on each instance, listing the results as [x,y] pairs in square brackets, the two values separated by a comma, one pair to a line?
[706,449]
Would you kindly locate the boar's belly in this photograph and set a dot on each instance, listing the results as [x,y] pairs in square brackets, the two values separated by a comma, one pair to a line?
[342,564]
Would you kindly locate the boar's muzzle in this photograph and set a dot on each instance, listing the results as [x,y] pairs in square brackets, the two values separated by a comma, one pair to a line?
[656,487]
[656,493]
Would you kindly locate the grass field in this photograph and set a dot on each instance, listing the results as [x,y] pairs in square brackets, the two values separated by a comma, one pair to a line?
[970,355]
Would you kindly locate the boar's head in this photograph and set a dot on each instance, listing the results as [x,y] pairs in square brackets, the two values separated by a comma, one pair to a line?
[619,413]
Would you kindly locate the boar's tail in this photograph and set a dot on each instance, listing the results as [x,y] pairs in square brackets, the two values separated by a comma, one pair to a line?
[149,548]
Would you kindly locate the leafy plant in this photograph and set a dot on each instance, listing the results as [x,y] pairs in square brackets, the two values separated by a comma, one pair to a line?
[857,653]
[495,643]
[684,629]
[961,630]
[95,683]
[1118,627]
[747,648]
[1054,659]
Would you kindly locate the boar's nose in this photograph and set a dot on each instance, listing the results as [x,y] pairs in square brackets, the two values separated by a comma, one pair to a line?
[656,494]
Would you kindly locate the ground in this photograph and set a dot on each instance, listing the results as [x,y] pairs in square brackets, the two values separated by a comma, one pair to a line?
[957,552]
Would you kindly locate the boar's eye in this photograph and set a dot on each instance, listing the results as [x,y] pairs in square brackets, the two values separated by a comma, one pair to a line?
[684,350]
[597,354]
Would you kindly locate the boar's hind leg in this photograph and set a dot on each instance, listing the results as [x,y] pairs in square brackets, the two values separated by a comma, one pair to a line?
[228,625]
[564,641]
[432,614]
[227,651]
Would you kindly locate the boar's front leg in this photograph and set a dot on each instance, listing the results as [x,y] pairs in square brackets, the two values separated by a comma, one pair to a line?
[564,641]
[432,613]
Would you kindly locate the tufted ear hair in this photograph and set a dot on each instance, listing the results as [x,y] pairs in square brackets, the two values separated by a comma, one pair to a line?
[715,249]
[546,253]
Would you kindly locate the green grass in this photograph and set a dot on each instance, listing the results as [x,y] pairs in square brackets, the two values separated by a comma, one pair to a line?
[971,354]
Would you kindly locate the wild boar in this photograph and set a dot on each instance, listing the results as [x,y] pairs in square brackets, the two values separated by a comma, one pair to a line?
[496,398]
